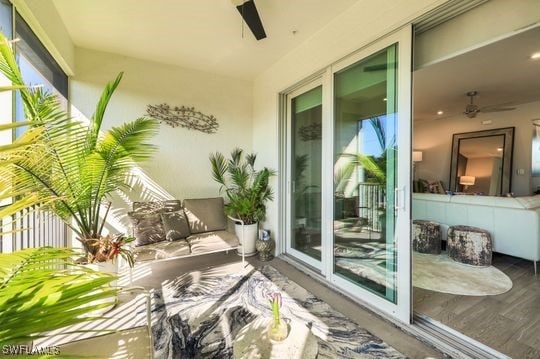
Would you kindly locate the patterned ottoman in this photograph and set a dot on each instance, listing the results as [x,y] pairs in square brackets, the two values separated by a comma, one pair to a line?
[426,237]
[469,245]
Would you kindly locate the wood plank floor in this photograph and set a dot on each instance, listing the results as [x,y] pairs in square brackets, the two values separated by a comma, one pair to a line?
[509,322]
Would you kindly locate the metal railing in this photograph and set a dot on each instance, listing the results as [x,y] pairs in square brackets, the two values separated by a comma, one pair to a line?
[371,203]
[32,228]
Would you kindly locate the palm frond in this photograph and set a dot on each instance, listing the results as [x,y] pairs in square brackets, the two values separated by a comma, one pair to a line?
[97,118]
[42,289]
[66,165]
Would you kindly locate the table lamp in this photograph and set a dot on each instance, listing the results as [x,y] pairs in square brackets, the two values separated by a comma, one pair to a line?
[466,181]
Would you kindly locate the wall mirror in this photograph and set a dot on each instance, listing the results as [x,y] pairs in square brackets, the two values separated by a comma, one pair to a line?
[481,162]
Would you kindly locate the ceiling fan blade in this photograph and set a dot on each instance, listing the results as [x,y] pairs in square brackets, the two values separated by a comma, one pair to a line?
[497,109]
[248,11]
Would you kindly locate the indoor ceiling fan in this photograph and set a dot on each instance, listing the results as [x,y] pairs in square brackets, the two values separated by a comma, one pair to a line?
[472,109]
[250,16]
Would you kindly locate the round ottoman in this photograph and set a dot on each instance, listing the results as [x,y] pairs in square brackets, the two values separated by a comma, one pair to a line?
[469,245]
[426,237]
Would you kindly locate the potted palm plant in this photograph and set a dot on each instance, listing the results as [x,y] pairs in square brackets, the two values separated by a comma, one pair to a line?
[247,191]
[74,166]
[41,289]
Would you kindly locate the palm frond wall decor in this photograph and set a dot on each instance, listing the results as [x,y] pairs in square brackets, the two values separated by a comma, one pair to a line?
[311,132]
[183,116]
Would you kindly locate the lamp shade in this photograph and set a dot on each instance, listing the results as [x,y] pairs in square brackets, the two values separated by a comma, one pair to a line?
[417,156]
[467,180]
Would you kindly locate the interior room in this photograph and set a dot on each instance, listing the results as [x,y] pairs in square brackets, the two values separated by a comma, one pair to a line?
[475,126]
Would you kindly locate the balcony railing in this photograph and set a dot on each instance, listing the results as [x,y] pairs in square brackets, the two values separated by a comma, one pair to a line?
[31,228]
[371,201]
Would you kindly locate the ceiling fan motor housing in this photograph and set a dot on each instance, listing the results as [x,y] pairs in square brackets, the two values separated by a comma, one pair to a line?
[471,110]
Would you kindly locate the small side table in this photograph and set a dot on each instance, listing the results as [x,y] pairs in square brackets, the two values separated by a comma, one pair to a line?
[426,237]
[469,245]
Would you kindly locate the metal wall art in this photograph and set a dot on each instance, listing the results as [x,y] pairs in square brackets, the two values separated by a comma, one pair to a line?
[183,116]
[311,132]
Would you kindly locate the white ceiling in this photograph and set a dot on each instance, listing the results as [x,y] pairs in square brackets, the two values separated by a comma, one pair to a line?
[502,73]
[199,34]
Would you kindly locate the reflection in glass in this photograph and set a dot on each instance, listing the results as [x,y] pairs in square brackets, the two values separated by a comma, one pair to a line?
[364,173]
[306,117]
[479,165]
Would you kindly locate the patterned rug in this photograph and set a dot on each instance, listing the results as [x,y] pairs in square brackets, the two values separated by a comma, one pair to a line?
[200,314]
[442,274]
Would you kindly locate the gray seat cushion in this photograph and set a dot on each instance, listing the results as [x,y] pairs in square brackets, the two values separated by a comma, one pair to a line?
[162,250]
[205,214]
[175,225]
[212,241]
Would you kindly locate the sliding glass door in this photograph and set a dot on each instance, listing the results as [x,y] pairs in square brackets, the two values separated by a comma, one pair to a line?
[371,174]
[305,114]
[365,152]
[349,174]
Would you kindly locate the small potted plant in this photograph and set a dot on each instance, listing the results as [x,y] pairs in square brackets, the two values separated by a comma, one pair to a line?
[278,328]
[247,192]
[108,248]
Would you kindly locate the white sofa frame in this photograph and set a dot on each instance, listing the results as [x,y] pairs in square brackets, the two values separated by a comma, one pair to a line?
[513,223]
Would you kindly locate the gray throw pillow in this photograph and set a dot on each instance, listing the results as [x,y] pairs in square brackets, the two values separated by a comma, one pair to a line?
[205,214]
[175,225]
[147,228]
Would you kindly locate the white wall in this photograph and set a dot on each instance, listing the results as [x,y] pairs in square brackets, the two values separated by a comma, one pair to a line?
[181,164]
[357,26]
[434,138]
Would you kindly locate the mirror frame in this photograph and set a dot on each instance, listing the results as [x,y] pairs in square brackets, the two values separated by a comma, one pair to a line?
[508,152]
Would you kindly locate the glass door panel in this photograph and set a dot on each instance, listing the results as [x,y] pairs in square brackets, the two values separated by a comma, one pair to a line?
[365,170]
[305,171]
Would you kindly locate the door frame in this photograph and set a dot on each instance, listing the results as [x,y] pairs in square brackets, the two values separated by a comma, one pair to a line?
[312,262]
[402,310]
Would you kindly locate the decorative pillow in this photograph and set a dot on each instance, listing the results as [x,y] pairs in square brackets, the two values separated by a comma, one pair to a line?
[147,228]
[170,205]
[205,214]
[175,225]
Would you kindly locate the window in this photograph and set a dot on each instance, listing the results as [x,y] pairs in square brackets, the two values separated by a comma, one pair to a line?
[38,67]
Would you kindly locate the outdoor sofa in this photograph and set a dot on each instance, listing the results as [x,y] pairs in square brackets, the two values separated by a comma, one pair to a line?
[172,229]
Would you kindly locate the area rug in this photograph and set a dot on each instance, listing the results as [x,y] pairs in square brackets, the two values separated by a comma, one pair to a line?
[442,274]
[201,314]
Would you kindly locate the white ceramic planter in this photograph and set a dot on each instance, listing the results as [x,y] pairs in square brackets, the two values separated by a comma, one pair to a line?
[249,237]
[105,267]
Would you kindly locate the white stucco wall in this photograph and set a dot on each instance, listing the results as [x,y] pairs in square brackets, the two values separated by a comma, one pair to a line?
[359,25]
[181,165]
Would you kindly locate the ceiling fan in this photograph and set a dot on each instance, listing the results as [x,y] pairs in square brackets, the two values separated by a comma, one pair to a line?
[248,11]
[471,110]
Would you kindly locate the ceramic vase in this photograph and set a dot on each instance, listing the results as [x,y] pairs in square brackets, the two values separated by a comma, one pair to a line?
[278,330]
